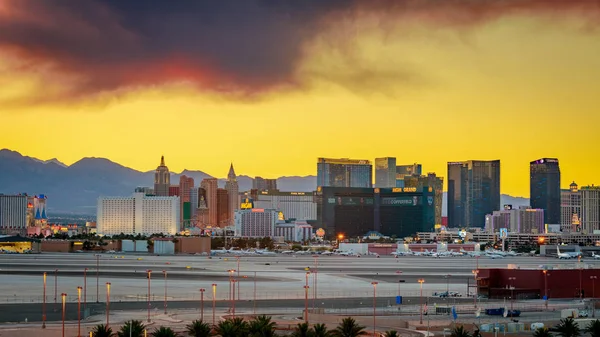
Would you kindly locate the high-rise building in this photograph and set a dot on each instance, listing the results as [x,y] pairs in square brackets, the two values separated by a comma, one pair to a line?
[590,209]
[344,173]
[256,222]
[433,181]
[222,206]
[13,214]
[209,185]
[262,184]
[385,172]
[544,188]
[233,190]
[407,171]
[294,205]
[473,192]
[522,220]
[162,179]
[186,185]
[174,191]
[138,214]
[570,209]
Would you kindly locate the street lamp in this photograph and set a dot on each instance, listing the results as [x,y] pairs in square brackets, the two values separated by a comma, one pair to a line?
[374,305]
[231,289]
[214,300]
[238,276]
[202,304]
[512,288]
[107,303]
[546,274]
[475,272]
[149,275]
[64,297]
[421,281]
[593,278]
[165,305]
[234,281]
[44,305]
[306,298]
[78,311]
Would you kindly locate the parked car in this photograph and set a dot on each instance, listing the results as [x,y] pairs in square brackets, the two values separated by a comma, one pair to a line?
[583,313]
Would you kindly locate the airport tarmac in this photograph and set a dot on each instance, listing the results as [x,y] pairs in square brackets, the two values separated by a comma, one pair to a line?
[261,277]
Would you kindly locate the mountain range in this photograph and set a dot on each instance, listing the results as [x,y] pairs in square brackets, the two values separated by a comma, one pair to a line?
[75,188]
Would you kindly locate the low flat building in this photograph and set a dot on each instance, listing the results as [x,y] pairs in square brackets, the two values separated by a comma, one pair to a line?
[295,231]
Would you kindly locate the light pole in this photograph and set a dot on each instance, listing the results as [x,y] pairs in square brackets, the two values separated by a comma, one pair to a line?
[107,303]
[85,288]
[165,305]
[546,274]
[78,311]
[44,305]
[231,288]
[64,297]
[234,281]
[202,304]
[238,276]
[374,305]
[593,278]
[421,281]
[475,272]
[97,278]
[214,300]
[254,307]
[149,272]
[306,298]
[512,296]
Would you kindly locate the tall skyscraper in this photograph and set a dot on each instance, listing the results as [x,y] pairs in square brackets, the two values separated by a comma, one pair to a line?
[186,185]
[262,184]
[13,214]
[344,173]
[590,209]
[162,179]
[544,188]
[433,181]
[222,206]
[473,192]
[407,171]
[385,172]
[233,191]
[570,209]
[209,185]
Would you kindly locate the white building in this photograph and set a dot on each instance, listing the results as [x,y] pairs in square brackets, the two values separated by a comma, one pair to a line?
[297,231]
[138,214]
[590,209]
[294,205]
[522,220]
[570,209]
[255,222]
[13,214]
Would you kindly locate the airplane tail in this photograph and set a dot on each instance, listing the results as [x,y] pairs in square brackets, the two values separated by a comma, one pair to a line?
[557,250]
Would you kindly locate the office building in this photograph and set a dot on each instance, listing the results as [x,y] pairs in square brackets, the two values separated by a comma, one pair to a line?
[209,185]
[233,191]
[294,205]
[354,212]
[162,179]
[385,172]
[186,185]
[222,206]
[433,181]
[294,231]
[138,214]
[13,214]
[570,209]
[473,192]
[344,173]
[194,200]
[522,220]
[262,184]
[407,171]
[544,188]
[590,209]
[174,191]
[256,222]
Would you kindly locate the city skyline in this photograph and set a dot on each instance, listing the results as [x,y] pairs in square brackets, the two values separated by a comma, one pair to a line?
[421,81]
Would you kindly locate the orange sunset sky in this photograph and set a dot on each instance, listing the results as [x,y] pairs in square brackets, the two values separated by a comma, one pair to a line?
[272,85]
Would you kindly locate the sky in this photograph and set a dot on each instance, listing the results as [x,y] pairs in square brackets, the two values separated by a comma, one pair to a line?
[271,85]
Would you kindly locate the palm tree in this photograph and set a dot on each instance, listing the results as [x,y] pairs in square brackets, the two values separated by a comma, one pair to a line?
[261,326]
[164,331]
[133,328]
[593,328]
[198,329]
[542,332]
[460,331]
[348,328]
[102,330]
[320,330]
[392,333]
[231,328]
[567,328]
[302,330]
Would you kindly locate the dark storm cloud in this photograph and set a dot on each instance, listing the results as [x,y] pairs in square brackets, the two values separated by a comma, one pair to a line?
[244,46]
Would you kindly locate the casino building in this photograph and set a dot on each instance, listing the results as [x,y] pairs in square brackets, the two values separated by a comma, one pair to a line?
[391,211]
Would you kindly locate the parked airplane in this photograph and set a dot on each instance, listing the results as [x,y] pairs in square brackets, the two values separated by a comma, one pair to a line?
[595,256]
[265,252]
[563,255]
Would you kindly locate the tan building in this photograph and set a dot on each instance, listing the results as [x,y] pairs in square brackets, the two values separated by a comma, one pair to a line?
[233,191]
[209,185]
[162,179]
